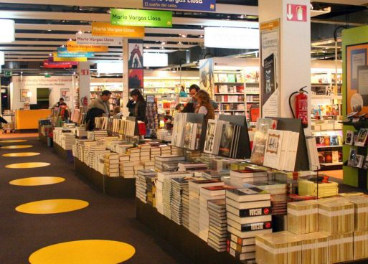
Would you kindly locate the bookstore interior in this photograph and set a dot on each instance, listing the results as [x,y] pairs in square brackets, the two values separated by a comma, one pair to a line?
[237,132]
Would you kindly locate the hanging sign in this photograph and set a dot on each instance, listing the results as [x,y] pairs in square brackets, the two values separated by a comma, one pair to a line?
[296,13]
[141,18]
[75,54]
[88,39]
[80,59]
[198,5]
[231,38]
[72,46]
[57,65]
[109,31]
[73,63]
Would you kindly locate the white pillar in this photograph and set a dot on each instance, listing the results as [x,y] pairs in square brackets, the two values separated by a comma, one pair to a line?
[84,77]
[295,48]
[125,77]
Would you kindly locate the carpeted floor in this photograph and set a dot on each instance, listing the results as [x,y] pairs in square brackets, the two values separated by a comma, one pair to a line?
[106,218]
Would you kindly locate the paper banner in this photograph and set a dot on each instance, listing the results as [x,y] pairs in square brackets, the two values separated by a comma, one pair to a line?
[110,31]
[141,18]
[72,46]
[56,58]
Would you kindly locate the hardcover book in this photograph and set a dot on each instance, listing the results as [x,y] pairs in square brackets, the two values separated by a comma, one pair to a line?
[273,148]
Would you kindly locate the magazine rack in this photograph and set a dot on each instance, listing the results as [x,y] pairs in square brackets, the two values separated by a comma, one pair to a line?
[244,150]
[295,125]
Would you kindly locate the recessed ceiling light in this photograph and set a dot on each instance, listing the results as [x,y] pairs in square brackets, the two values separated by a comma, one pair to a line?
[163,43]
[183,36]
[49,30]
[80,32]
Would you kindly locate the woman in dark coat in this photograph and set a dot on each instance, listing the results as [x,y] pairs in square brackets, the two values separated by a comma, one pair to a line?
[140,105]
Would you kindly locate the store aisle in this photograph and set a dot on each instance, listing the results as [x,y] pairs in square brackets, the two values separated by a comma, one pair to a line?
[105,218]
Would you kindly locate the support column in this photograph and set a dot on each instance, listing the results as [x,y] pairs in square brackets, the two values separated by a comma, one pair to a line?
[289,70]
[125,77]
[84,79]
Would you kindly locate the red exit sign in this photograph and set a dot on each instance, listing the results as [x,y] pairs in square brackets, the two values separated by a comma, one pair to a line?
[296,13]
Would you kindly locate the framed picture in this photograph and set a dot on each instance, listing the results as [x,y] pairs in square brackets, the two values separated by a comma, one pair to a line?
[357,76]
[349,137]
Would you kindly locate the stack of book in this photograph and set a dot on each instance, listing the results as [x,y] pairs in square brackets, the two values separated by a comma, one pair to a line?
[145,154]
[155,152]
[126,167]
[111,165]
[192,166]
[213,174]
[217,235]
[178,187]
[185,201]
[163,190]
[302,217]
[144,186]
[165,150]
[81,132]
[248,215]
[207,194]
[167,159]
[99,134]
[248,175]
[194,201]
[67,141]
[325,189]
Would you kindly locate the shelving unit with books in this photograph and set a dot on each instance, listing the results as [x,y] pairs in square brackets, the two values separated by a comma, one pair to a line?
[166,86]
[326,103]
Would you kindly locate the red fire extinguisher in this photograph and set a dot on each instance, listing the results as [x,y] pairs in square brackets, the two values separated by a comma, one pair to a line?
[301,106]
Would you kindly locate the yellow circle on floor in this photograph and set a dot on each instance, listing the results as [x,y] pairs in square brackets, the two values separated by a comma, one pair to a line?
[21,154]
[83,252]
[13,141]
[37,181]
[27,165]
[54,206]
[17,147]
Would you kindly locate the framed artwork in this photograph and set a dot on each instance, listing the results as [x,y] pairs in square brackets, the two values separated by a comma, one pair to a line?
[24,95]
[357,76]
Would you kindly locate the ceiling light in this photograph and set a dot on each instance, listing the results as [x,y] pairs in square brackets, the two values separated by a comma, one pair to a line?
[163,43]
[80,32]
[183,36]
[70,40]
[8,31]
[49,30]
[50,55]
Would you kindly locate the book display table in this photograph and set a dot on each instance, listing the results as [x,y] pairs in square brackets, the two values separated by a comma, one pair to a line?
[181,238]
[113,186]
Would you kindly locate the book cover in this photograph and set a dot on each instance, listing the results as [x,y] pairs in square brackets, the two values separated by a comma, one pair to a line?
[361,138]
[273,148]
[226,140]
[248,194]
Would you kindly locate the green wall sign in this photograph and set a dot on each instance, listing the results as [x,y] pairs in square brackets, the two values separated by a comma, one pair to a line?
[141,18]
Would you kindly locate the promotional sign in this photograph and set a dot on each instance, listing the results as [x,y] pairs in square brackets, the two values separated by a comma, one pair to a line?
[136,64]
[73,63]
[72,46]
[296,13]
[75,54]
[141,18]
[56,58]
[100,29]
[270,68]
[206,75]
[88,39]
[200,5]
[57,65]
[231,38]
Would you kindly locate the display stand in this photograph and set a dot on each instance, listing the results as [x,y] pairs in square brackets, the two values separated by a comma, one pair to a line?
[181,238]
[244,150]
[62,153]
[113,186]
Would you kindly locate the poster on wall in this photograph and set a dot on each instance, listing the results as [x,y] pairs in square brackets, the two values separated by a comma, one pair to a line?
[270,68]
[357,78]
[136,56]
[65,93]
[206,75]
[135,79]
[24,95]
[135,64]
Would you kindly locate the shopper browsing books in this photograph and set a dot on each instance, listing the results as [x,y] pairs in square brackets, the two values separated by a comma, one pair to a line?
[60,103]
[140,105]
[102,102]
[204,105]
[192,104]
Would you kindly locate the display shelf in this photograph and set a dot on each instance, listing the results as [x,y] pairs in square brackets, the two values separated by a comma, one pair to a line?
[323,147]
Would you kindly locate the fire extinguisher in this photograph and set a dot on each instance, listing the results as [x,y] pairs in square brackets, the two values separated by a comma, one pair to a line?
[301,106]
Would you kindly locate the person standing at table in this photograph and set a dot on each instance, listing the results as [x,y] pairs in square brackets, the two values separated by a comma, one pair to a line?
[204,105]
[140,105]
[102,102]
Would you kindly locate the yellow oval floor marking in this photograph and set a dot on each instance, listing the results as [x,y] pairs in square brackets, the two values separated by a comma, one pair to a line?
[83,252]
[13,141]
[54,206]
[17,147]
[27,165]
[21,154]
[37,181]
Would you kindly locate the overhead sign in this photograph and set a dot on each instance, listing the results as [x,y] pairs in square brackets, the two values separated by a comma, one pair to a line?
[57,65]
[100,29]
[141,18]
[296,13]
[75,54]
[192,5]
[231,38]
[73,63]
[155,60]
[72,46]
[88,39]
[56,58]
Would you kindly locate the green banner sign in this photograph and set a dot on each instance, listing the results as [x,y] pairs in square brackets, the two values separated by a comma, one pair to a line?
[141,18]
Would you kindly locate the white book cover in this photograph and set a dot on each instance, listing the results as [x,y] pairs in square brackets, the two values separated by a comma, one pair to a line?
[273,148]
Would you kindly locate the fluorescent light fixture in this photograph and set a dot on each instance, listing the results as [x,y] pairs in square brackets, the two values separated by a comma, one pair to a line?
[231,38]
[2,58]
[7,31]
[110,67]
[155,60]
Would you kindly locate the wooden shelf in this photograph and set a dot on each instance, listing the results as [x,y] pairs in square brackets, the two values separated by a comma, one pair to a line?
[332,164]
[231,93]
[322,147]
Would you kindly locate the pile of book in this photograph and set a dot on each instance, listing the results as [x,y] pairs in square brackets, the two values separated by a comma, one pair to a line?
[194,202]
[302,217]
[164,190]
[111,165]
[167,162]
[164,135]
[192,166]
[145,186]
[81,132]
[67,141]
[324,189]
[99,134]
[178,185]
[248,175]
[248,215]
[217,235]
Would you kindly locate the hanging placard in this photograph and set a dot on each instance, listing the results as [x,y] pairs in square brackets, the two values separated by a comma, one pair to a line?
[141,18]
